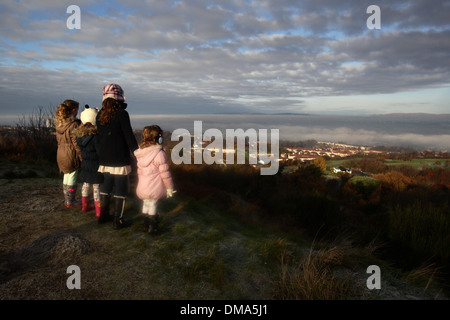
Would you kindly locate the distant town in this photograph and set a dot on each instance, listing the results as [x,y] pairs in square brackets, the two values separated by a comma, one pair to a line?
[293,152]
[326,150]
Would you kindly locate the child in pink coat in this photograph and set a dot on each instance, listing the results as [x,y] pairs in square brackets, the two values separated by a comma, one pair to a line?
[154,177]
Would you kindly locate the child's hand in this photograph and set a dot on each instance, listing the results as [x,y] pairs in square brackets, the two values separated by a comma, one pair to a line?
[170,193]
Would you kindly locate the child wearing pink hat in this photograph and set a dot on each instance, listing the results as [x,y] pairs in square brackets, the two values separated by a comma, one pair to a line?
[116,144]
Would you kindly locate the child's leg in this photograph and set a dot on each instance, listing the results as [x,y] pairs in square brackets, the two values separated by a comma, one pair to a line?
[151,217]
[96,192]
[70,180]
[105,197]
[65,191]
[85,189]
[149,207]
[121,188]
[107,185]
[66,180]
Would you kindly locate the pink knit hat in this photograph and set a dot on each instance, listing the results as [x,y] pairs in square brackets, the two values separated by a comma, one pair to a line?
[113,91]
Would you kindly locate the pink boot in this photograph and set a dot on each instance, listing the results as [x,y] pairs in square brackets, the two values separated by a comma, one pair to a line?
[85,204]
[97,209]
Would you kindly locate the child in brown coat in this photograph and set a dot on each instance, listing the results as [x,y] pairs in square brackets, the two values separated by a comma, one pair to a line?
[68,155]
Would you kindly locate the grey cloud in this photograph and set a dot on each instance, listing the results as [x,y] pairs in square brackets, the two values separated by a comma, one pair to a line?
[424,49]
[224,55]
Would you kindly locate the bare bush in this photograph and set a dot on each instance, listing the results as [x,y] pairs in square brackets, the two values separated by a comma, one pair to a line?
[37,130]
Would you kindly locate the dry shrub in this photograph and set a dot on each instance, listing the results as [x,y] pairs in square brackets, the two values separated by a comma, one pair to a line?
[33,137]
[12,147]
[424,275]
[419,232]
[312,278]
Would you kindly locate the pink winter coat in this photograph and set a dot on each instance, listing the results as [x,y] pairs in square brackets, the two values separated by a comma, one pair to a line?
[153,173]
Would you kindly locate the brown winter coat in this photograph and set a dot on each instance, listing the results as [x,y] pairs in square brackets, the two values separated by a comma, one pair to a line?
[68,155]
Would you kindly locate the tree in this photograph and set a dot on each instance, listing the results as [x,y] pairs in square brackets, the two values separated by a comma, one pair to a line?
[320,163]
[394,180]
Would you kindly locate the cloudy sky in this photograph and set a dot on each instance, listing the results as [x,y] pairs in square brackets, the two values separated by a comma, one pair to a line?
[208,57]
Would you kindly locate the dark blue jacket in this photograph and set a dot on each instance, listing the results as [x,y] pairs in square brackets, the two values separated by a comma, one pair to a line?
[87,140]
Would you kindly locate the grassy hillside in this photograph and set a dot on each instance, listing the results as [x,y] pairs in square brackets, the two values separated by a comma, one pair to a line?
[203,253]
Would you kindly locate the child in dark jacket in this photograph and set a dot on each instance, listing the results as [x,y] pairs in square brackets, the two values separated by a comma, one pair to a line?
[117,143]
[87,140]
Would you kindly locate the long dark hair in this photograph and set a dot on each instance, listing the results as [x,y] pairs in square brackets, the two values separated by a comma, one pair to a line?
[109,110]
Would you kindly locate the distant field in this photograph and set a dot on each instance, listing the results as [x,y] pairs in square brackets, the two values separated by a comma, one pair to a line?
[416,163]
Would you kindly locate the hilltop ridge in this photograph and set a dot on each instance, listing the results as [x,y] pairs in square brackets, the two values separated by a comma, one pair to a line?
[203,253]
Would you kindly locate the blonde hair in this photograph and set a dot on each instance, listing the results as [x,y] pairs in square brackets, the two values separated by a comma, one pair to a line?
[149,135]
[64,111]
